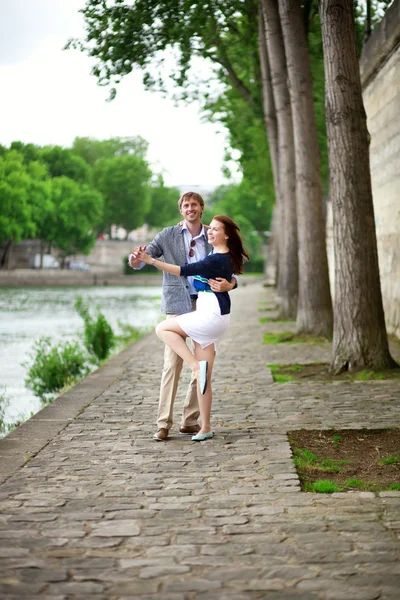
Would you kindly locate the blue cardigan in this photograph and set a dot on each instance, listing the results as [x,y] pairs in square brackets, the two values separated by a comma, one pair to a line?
[212,266]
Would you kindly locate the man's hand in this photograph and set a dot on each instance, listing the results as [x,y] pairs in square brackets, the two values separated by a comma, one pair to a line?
[134,261]
[220,285]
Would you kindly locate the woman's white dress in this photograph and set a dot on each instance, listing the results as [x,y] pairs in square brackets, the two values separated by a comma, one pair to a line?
[205,325]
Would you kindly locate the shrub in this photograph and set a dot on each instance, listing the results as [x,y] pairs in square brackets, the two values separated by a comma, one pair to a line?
[4,427]
[99,337]
[128,335]
[55,367]
[145,270]
[254,265]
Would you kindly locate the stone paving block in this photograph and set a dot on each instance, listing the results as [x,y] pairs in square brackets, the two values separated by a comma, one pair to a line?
[102,511]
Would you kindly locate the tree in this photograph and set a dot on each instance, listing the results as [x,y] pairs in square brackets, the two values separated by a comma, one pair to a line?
[92,150]
[78,211]
[64,162]
[42,207]
[163,204]
[288,259]
[359,337]
[314,314]
[16,220]
[124,182]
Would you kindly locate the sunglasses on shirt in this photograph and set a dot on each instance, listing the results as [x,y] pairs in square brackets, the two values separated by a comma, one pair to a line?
[192,245]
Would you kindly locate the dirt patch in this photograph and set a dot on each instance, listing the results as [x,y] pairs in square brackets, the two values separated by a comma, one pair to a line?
[364,459]
[320,372]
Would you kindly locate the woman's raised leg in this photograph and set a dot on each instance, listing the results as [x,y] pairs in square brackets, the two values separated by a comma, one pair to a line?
[173,335]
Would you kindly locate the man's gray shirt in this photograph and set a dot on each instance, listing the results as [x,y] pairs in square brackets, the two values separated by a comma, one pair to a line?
[170,245]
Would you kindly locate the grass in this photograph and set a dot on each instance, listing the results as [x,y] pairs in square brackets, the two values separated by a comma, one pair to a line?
[355,466]
[356,483]
[367,376]
[318,371]
[278,378]
[322,487]
[282,373]
[306,459]
[284,377]
[394,459]
[394,487]
[287,337]
[273,320]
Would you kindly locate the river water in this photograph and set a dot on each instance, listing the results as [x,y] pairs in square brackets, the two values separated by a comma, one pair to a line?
[29,313]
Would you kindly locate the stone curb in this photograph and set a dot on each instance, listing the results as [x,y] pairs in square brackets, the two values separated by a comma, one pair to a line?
[24,442]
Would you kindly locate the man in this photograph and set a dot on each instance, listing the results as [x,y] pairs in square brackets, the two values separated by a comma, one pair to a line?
[180,244]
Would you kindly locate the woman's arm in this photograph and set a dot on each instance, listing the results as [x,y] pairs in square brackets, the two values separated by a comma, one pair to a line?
[159,264]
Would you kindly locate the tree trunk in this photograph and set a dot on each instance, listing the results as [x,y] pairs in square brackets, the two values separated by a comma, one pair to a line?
[41,254]
[271,126]
[368,22]
[288,263]
[314,313]
[270,121]
[6,258]
[271,263]
[359,338]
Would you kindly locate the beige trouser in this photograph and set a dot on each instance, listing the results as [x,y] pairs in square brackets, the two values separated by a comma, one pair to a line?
[169,384]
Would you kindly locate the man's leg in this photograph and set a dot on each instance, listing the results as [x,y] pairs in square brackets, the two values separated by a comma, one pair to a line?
[169,384]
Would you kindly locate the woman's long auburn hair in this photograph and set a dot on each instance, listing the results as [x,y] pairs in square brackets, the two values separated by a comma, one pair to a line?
[234,243]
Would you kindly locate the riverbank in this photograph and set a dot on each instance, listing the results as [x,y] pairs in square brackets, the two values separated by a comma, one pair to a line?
[56,277]
[98,276]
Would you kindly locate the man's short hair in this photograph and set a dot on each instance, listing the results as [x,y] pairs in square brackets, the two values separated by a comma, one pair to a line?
[190,196]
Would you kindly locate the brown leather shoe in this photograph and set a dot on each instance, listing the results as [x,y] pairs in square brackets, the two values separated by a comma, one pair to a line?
[189,430]
[161,435]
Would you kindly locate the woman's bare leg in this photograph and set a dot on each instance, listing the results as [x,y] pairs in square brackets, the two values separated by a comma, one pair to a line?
[173,335]
[205,400]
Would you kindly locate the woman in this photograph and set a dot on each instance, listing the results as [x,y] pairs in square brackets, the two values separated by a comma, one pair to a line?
[211,318]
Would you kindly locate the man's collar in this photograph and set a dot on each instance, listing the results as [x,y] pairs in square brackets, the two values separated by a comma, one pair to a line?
[202,230]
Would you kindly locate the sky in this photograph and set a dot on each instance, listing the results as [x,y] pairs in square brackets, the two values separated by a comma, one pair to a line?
[49,97]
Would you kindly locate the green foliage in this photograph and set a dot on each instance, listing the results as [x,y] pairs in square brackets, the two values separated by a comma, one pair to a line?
[5,428]
[129,334]
[280,377]
[78,210]
[306,459]
[16,219]
[367,375]
[394,459]
[63,162]
[322,487]
[254,265]
[146,270]
[287,337]
[99,338]
[55,367]
[124,183]
[336,440]
[278,338]
[394,487]
[355,483]
[163,204]
[92,150]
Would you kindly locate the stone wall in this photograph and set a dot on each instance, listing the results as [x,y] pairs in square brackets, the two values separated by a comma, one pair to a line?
[380,77]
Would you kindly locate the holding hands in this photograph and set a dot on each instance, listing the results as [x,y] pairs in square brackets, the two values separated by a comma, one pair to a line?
[142,255]
[135,256]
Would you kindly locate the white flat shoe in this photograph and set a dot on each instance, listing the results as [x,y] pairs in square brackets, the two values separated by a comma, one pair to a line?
[200,437]
[203,376]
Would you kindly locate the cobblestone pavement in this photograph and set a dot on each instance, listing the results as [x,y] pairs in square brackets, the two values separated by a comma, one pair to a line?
[102,511]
